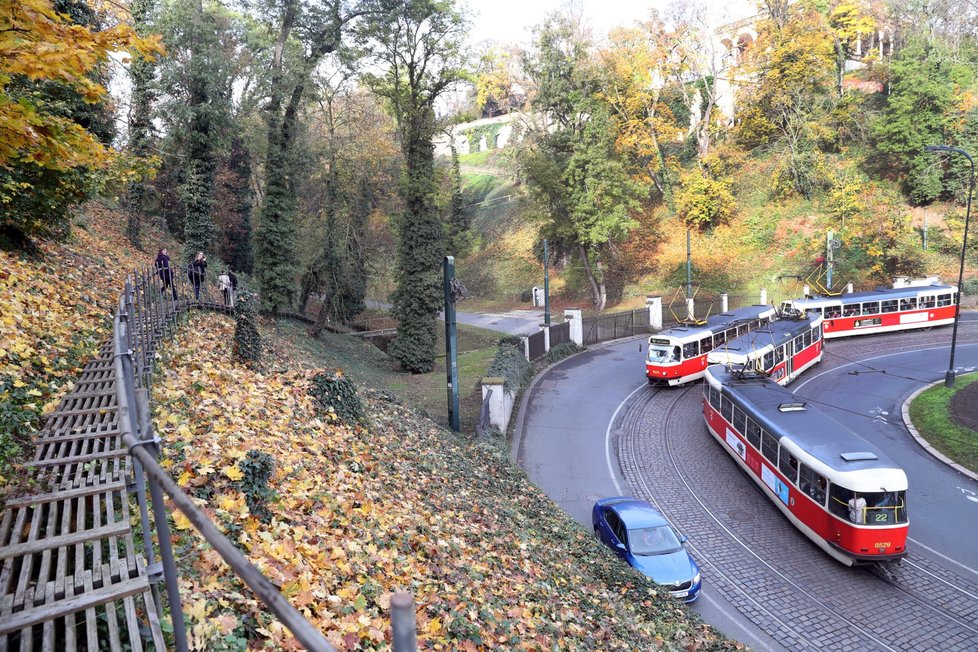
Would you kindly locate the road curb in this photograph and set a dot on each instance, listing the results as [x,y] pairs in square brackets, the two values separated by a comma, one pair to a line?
[923,442]
[524,400]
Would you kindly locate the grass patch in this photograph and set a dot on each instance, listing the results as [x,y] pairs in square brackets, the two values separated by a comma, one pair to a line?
[931,416]
[368,366]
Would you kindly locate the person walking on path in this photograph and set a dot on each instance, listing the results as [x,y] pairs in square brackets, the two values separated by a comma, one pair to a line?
[224,281]
[196,272]
[166,272]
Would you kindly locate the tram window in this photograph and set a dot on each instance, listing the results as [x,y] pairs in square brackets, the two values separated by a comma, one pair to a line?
[788,464]
[769,446]
[743,329]
[890,305]
[831,312]
[779,355]
[753,433]
[817,333]
[691,350]
[908,304]
[715,398]
[719,339]
[706,345]
[807,338]
[812,484]
[885,508]
[871,308]
[943,300]
[850,309]
[726,409]
[839,501]
[769,361]
[740,420]
[928,302]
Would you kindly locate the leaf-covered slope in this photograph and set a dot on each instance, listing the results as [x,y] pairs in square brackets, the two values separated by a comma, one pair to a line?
[55,309]
[360,513]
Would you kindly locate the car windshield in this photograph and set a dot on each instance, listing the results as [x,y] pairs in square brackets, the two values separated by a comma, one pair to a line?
[659,353]
[653,540]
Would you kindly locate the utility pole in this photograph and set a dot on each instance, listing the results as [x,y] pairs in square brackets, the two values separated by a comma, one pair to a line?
[828,260]
[451,345]
[925,233]
[546,284]
[689,272]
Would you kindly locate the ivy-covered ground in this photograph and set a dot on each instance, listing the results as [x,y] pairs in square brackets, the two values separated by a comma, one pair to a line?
[355,513]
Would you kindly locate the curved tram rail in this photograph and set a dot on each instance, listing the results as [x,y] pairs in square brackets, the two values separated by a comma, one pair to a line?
[795,593]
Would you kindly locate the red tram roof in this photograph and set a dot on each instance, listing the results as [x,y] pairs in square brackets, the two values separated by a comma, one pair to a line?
[878,294]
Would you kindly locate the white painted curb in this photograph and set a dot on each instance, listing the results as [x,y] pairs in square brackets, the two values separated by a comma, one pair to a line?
[923,442]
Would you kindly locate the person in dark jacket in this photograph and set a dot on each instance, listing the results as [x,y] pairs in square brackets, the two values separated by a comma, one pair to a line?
[196,272]
[166,272]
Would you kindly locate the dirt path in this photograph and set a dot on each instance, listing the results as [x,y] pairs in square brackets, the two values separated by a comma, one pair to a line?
[964,407]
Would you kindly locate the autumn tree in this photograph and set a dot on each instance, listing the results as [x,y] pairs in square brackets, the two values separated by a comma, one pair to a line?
[232,209]
[141,77]
[305,34]
[54,126]
[420,48]
[577,181]
[792,64]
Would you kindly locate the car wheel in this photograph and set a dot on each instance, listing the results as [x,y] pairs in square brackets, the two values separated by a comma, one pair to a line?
[597,534]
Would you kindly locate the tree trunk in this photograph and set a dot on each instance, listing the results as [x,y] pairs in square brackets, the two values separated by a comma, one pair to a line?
[599,296]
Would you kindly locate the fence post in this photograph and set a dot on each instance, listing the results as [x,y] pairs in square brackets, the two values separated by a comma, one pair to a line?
[573,316]
[849,288]
[724,302]
[403,622]
[546,337]
[526,347]
[807,290]
[655,312]
[495,388]
[763,296]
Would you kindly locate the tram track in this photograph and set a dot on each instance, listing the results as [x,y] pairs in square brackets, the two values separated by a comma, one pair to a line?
[767,569]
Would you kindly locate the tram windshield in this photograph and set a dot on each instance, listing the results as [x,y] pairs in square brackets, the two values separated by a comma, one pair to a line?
[653,540]
[659,353]
[869,508]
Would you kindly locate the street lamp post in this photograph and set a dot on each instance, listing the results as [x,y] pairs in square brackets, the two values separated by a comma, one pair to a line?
[950,375]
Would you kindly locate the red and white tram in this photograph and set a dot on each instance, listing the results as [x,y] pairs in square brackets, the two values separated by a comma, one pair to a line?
[842,492]
[678,355]
[916,304]
[782,349]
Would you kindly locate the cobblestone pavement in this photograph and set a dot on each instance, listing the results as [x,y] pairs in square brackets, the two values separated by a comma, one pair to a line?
[759,562]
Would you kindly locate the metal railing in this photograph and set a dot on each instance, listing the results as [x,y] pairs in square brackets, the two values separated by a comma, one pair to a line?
[614,325]
[147,312]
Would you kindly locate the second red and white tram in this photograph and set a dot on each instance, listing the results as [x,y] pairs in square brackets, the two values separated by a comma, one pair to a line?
[781,349]
[677,355]
[842,492]
[915,304]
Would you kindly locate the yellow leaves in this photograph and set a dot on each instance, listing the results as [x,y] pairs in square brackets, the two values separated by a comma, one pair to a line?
[233,472]
[180,521]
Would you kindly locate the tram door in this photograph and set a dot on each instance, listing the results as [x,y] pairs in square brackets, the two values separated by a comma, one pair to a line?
[789,361]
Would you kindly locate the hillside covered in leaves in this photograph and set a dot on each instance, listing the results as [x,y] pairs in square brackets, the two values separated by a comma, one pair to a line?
[351,513]
[56,306]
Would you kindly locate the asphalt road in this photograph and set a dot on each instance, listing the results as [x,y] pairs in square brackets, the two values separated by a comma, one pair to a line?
[581,415]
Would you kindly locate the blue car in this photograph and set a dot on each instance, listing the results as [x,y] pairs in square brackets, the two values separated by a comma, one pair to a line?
[640,535]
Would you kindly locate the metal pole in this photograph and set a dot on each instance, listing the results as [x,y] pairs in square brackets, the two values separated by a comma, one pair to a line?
[949,377]
[546,284]
[828,259]
[403,622]
[451,345]
[689,274]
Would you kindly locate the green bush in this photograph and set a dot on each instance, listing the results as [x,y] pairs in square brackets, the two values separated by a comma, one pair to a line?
[258,468]
[334,391]
[562,351]
[511,364]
